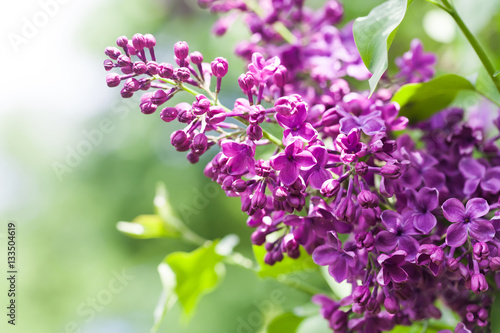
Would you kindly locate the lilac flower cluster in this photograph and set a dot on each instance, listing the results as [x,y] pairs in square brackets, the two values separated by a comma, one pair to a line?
[405,221]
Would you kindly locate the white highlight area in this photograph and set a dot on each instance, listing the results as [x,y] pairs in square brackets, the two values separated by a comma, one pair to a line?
[439,26]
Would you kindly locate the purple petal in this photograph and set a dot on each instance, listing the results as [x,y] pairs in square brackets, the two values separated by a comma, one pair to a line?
[397,274]
[456,235]
[279,162]
[305,131]
[383,277]
[237,165]
[397,258]
[289,174]
[476,207]
[338,269]
[471,168]
[318,177]
[386,241]
[231,148]
[305,160]
[325,255]
[454,210]
[372,126]
[410,245]
[348,123]
[433,178]
[491,181]
[285,121]
[471,185]
[428,198]
[481,230]
[391,220]
[424,222]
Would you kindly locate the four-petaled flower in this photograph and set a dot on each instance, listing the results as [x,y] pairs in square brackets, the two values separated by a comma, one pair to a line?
[295,125]
[466,220]
[293,159]
[241,157]
[399,233]
[332,255]
[391,270]
[350,146]
[476,175]
[420,205]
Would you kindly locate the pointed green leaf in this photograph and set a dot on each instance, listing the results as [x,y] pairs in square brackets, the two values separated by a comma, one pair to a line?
[374,34]
[486,87]
[147,226]
[419,101]
[196,274]
[495,314]
[286,322]
[286,266]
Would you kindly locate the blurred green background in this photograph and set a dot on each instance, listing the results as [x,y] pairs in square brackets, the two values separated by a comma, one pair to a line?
[54,99]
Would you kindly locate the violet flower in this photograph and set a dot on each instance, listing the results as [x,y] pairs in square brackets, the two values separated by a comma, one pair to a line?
[420,205]
[350,146]
[293,159]
[476,174]
[466,220]
[391,270]
[317,175]
[262,69]
[295,125]
[399,232]
[370,124]
[332,255]
[415,65]
[241,157]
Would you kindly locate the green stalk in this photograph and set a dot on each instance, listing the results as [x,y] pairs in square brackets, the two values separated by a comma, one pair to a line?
[483,57]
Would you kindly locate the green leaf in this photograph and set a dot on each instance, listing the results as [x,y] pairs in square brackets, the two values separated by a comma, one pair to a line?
[287,322]
[419,101]
[147,226]
[495,314]
[374,34]
[196,274]
[286,266]
[486,87]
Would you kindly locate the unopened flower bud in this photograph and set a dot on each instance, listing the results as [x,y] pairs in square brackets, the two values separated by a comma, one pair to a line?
[113,80]
[122,41]
[219,67]
[201,106]
[361,168]
[330,188]
[391,305]
[478,283]
[361,295]
[480,251]
[181,50]
[196,58]
[183,74]
[365,240]
[246,82]
[168,114]
[391,171]
[239,185]
[166,70]
[200,143]
[495,263]
[178,138]
[280,76]
[254,132]
[139,41]
[367,199]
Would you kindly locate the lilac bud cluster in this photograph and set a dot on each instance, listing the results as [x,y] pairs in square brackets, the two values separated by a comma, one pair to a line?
[404,224]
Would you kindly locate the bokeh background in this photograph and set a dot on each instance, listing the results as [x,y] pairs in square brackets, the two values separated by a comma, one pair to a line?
[54,98]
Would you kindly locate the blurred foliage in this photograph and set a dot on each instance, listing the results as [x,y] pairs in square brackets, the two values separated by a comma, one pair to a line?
[69,248]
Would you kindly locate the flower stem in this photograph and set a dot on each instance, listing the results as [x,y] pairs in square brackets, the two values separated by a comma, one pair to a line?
[483,57]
